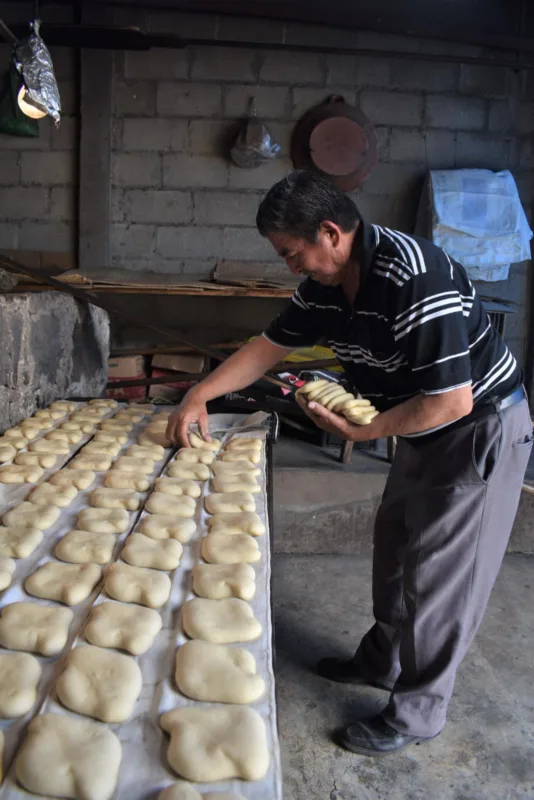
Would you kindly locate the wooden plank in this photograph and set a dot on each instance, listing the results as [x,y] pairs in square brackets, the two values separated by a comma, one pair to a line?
[234,291]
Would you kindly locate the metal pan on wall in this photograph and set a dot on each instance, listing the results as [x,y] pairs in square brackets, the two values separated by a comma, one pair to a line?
[336,140]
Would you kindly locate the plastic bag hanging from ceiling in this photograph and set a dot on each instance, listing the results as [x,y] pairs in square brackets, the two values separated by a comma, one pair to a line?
[33,61]
[254,145]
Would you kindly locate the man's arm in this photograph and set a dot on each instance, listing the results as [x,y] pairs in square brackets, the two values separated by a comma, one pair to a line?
[239,370]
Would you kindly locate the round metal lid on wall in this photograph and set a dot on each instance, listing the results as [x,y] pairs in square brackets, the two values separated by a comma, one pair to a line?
[336,140]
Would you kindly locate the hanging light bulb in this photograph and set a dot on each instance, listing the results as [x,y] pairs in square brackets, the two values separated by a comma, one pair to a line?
[27,106]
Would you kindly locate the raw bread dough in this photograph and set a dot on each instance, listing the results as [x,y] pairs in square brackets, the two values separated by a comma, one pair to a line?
[90,417]
[115,498]
[129,464]
[197,441]
[236,477]
[184,791]
[19,542]
[216,673]
[30,432]
[79,478]
[62,405]
[157,425]
[84,547]
[35,628]
[50,494]
[153,437]
[162,526]
[142,551]
[110,438]
[49,413]
[26,515]
[66,583]
[103,520]
[220,621]
[72,437]
[111,425]
[235,468]
[148,587]
[229,502]
[123,626]
[193,472]
[222,485]
[159,503]
[99,683]
[47,446]
[126,480]
[244,443]
[12,473]
[218,581]
[128,416]
[63,756]
[154,451]
[217,744]
[39,424]
[244,522]
[198,456]
[335,398]
[7,453]
[102,448]
[254,456]
[84,427]
[146,407]
[20,674]
[17,440]
[230,548]
[105,402]
[35,459]
[178,487]
[93,463]
[7,569]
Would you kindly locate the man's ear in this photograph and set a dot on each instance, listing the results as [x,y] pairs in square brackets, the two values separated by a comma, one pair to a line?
[332,231]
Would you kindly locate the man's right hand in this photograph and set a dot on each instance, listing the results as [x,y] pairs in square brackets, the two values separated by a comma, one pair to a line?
[190,411]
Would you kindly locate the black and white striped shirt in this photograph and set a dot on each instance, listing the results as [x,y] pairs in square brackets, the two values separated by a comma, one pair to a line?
[416,325]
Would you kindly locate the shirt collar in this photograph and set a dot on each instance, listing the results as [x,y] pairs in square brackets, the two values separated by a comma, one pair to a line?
[366,242]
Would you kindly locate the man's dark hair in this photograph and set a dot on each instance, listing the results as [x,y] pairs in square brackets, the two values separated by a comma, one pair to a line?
[300,202]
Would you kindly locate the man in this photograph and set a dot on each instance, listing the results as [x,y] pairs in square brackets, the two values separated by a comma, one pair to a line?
[412,335]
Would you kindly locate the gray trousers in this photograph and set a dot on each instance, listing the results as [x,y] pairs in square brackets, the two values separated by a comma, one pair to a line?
[440,537]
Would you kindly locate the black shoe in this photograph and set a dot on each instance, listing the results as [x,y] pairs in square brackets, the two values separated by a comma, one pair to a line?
[344,670]
[374,737]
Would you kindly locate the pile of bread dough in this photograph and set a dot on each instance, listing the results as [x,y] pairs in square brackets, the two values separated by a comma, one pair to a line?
[335,398]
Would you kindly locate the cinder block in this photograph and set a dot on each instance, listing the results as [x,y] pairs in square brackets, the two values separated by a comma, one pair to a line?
[424,76]
[436,149]
[117,204]
[69,98]
[246,244]
[526,154]
[226,208]
[136,169]
[41,142]
[193,26]
[156,63]
[158,207]
[261,178]
[209,136]
[135,241]
[394,179]
[525,117]
[440,149]
[272,102]
[384,136]
[135,98]
[341,70]
[66,136]
[9,169]
[47,170]
[63,203]
[319,35]
[190,242]
[482,152]
[293,69]
[116,134]
[9,236]
[189,99]
[505,115]
[483,80]
[407,145]
[388,108]
[367,40]
[304,99]
[250,29]
[48,236]
[23,202]
[456,113]
[224,64]
[154,134]
[63,59]
[184,171]
[375,208]
[372,71]
[525,187]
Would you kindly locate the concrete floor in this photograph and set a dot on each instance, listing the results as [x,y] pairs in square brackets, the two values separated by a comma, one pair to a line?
[322,607]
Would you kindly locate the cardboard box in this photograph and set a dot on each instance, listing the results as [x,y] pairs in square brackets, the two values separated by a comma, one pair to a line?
[180,363]
[171,389]
[126,368]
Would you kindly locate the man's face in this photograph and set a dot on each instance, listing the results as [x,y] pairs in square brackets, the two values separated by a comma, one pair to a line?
[323,260]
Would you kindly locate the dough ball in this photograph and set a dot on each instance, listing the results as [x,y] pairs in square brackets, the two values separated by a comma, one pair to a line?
[7,453]
[48,414]
[86,417]
[110,438]
[156,425]
[244,443]
[102,449]
[146,407]
[66,583]
[103,520]
[244,522]
[99,683]
[19,542]
[220,621]
[37,424]
[161,526]
[35,460]
[192,472]
[154,451]
[13,473]
[83,547]
[126,480]
[198,442]
[20,674]
[123,626]
[229,502]
[93,463]
[142,551]
[191,456]
[26,515]
[149,438]
[216,673]
[79,478]
[232,478]
[84,427]
[70,437]
[148,587]
[159,503]
[221,485]
[217,744]
[17,440]
[254,456]
[115,498]
[49,494]
[105,402]
[111,425]
[7,570]
[128,416]
[178,487]
[62,405]
[228,548]
[34,628]
[235,468]
[63,756]
[218,581]
[128,464]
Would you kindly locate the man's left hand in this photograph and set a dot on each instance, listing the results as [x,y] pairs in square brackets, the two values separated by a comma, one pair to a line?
[328,421]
